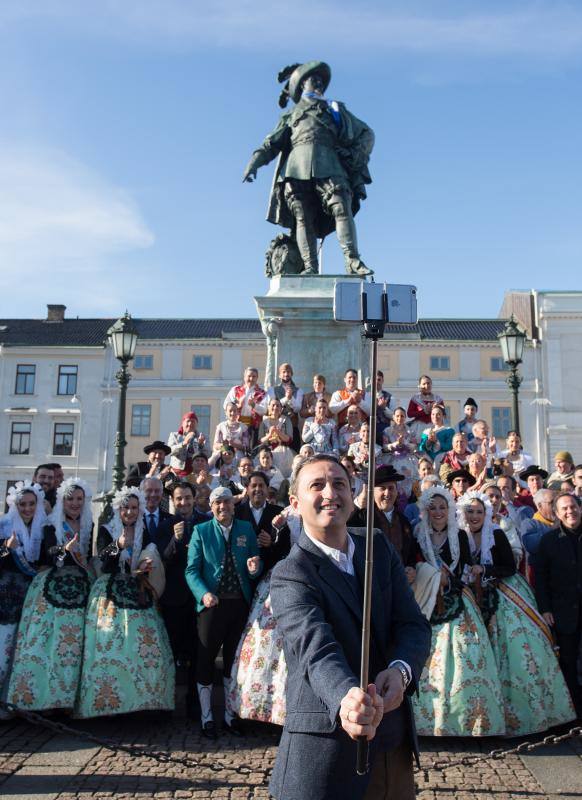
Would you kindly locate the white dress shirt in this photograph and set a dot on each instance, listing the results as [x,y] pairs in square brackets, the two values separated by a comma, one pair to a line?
[257,512]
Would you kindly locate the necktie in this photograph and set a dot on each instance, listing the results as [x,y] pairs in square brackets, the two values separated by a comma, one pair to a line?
[151,524]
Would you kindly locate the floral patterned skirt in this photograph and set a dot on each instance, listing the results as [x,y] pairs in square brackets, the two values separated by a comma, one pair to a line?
[259,672]
[49,646]
[127,663]
[535,696]
[459,691]
[13,589]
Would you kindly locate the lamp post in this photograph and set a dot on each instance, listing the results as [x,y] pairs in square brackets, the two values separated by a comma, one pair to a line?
[512,341]
[123,338]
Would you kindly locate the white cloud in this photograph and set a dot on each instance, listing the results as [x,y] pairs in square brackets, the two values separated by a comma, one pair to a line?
[538,28]
[63,223]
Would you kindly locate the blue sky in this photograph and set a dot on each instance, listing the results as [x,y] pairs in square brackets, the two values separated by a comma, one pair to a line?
[126,127]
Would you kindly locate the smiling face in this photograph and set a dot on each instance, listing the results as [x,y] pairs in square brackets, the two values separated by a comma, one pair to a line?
[365,433]
[425,468]
[245,466]
[513,442]
[183,498]
[285,373]
[353,416]
[385,496]
[475,516]
[257,491]
[535,483]
[437,416]
[27,506]
[323,498]
[459,486]
[568,512]
[46,479]
[351,380]
[266,459]
[460,444]
[188,425]
[251,376]
[157,457]
[129,511]
[494,495]
[275,409]
[232,412]
[563,467]
[399,416]
[425,385]
[223,510]
[318,384]
[153,491]
[438,513]
[73,503]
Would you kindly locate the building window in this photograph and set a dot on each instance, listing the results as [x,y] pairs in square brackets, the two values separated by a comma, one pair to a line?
[501,419]
[203,414]
[20,439]
[440,364]
[202,362]
[498,364]
[63,438]
[67,380]
[143,362]
[141,417]
[25,377]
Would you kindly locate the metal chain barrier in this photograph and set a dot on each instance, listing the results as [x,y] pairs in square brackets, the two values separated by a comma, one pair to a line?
[246,769]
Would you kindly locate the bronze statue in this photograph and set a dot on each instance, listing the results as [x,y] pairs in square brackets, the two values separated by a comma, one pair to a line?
[322,169]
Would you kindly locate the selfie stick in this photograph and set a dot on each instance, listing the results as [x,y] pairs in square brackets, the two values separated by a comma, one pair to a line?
[373,330]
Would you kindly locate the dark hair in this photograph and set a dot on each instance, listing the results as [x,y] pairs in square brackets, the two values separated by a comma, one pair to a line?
[399,408]
[50,467]
[200,454]
[351,369]
[563,494]
[314,460]
[264,447]
[257,473]
[425,376]
[56,466]
[380,373]
[577,467]
[182,485]
[512,479]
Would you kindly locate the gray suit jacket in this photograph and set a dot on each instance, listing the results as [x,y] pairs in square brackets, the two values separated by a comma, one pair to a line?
[320,616]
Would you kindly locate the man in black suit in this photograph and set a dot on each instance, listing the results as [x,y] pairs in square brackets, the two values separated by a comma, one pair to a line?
[157,453]
[274,542]
[317,598]
[154,516]
[394,525]
[558,572]
[177,603]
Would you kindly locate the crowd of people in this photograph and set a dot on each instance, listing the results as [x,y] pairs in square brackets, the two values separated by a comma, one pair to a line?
[98,622]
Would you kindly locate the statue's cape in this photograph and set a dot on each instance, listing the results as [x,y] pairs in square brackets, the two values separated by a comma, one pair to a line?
[356,141]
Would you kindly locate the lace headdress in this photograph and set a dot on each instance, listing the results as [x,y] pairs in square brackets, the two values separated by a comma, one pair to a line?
[423,529]
[115,526]
[29,538]
[57,518]
[487,537]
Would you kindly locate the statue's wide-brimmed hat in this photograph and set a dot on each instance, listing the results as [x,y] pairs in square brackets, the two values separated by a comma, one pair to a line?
[304,71]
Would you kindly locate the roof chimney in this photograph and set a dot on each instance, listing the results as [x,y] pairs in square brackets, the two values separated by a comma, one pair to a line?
[55,313]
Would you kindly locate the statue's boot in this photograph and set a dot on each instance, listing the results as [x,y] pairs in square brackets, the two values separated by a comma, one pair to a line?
[346,234]
[307,246]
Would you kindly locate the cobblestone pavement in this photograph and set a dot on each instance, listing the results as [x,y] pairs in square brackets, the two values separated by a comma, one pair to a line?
[39,765]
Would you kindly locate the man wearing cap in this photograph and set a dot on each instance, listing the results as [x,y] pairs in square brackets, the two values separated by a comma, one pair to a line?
[156,452]
[322,169]
[466,424]
[459,481]
[394,525]
[223,559]
[564,469]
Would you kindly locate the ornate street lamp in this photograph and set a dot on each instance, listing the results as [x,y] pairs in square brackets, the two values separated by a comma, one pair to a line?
[512,341]
[123,338]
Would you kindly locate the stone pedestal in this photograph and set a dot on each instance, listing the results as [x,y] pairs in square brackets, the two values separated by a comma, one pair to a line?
[297,318]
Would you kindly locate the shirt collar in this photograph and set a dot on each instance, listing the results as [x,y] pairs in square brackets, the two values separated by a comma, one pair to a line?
[344,561]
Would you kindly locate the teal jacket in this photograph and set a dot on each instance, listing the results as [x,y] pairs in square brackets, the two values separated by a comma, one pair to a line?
[206,553]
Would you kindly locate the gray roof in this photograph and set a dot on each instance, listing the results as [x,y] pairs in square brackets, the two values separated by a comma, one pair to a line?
[92,332]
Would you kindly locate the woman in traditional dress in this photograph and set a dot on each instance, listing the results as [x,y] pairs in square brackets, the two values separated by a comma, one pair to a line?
[21,534]
[534,691]
[277,431]
[259,672]
[459,691]
[127,661]
[49,648]
[437,440]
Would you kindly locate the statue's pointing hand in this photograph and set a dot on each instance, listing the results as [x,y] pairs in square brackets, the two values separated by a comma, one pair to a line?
[250,173]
